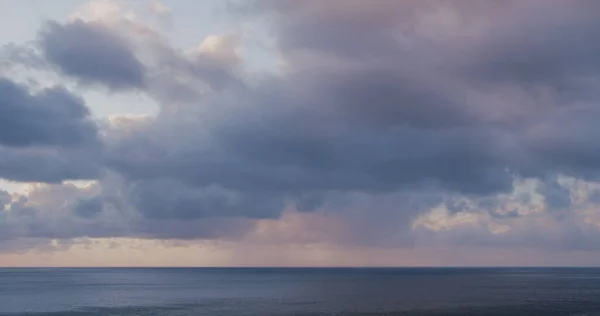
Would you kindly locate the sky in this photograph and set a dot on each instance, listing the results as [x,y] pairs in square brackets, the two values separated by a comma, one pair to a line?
[299,133]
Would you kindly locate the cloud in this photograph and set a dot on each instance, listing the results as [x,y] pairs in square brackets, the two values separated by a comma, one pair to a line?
[161,10]
[104,209]
[393,112]
[537,46]
[93,54]
[46,136]
[554,214]
[51,165]
[52,116]
[12,54]
[400,122]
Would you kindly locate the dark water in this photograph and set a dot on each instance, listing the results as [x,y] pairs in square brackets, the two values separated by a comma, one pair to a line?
[182,292]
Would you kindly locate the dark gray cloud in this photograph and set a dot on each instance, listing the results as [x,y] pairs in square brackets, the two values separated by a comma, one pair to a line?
[384,95]
[542,45]
[88,208]
[563,141]
[46,136]
[51,165]
[320,131]
[93,54]
[171,199]
[53,117]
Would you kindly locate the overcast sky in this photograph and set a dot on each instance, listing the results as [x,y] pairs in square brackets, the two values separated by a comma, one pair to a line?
[299,133]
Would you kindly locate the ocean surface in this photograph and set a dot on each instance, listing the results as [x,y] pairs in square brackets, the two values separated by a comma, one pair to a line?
[274,291]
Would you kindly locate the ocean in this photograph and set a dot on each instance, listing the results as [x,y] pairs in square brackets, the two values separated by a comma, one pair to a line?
[300,291]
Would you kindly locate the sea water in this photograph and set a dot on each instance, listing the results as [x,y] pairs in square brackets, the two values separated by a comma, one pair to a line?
[300,291]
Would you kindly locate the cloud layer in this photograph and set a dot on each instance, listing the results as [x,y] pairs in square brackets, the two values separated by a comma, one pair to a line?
[408,123]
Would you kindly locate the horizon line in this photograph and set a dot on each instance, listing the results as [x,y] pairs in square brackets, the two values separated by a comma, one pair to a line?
[300,267]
